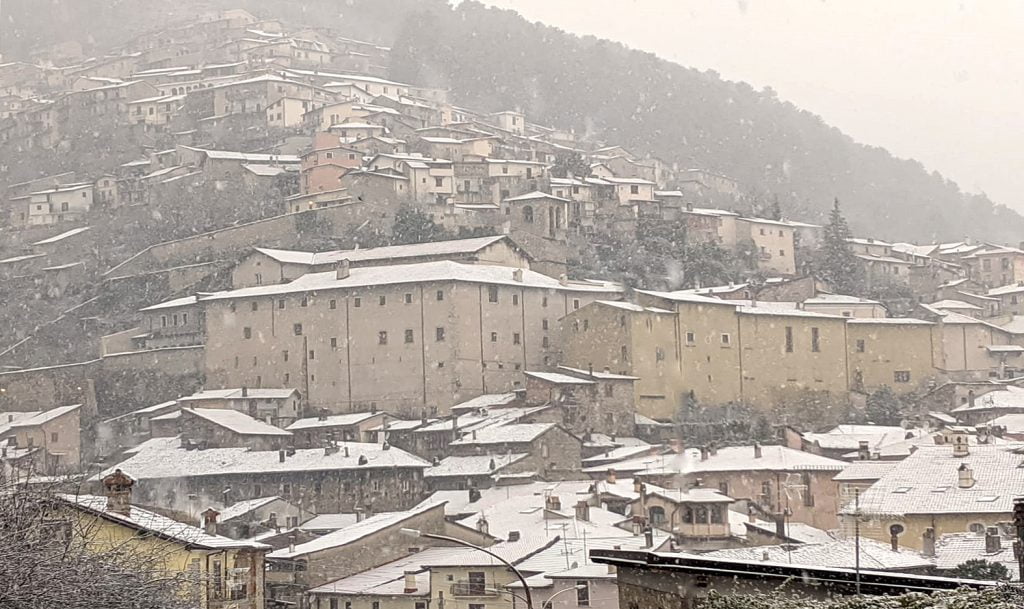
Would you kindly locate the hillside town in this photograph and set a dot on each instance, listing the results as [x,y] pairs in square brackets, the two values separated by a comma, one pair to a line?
[387,360]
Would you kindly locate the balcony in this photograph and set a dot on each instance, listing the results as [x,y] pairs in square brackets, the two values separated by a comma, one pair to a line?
[471,588]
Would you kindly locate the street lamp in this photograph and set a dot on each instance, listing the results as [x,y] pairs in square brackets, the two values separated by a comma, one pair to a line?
[522,580]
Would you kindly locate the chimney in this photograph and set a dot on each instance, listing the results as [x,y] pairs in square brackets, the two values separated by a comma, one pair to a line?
[894,539]
[757,450]
[712,449]
[410,582]
[474,495]
[928,542]
[280,455]
[970,398]
[553,503]
[517,275]
[704,452]
[272,522]
[563,279]
[965,476]
[346,451]
[993,544]
[491,464]
[766,556]
[780,526]
[513,535]
[648,537]
[119,492]
[582,511]
[590,368]
[342,269]
[359,514]
[291,542]
[863,451]
[245,392]
[210,521]
[960,448]
[482,525]
[610,476]
[751,515]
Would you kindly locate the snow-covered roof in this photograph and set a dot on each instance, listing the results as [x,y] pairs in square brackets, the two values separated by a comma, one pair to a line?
[839,299]
[152,523]
[62,236]
[849,437]
[44,417]
[730,458]
[391,252]
[353,533]
[329,522]
[955,305]
[474,465]
[388,579]
[438,271]
[629,306]
[236,422]
[559,379]
[1010,398]
[600,374]
[334,420]
[246,157]
[954,549]
[242,508]
[171,304]
[874,555]
[865,470]
[1013,288]
[166,458]
[926,482]
[252,393]
[501,434]
[534,196]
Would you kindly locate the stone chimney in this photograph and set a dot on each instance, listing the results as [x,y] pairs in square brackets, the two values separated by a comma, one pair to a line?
[553,503]
[993,544]
[582,511]
[563,279]
[965,476]
[894,539]
[118,487]
[280,455]
[342,269]
[757,450]
[780,526]
[474,495]
[359,514]
[928,542]
[960,447]
[970,398]
[517,275]
[704,452]
[482,525]
[610,476]
[513,535]
[210,521]
[648,537]
[410,582]
[863,450]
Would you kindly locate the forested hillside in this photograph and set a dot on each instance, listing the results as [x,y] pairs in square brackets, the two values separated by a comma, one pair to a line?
[494,59]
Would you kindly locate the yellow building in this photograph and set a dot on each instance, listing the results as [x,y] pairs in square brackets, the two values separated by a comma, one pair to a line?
[682,344]
[218,572]
[951,488]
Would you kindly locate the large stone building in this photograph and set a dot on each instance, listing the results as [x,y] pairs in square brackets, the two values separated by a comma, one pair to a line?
[400,338]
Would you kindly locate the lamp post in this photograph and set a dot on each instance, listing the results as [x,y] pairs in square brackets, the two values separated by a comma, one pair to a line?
[522,580]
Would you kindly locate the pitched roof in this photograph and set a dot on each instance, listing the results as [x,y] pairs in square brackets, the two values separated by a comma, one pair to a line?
[731,458]
[45,416]
[244,507]
[236,422]
[256,393]
[926,482]
[442,270]
[166,458]
[334,420]
[355,532]
[865,470]
[559,379]
[501,434]
[475,465]
[150,522]
[874,555]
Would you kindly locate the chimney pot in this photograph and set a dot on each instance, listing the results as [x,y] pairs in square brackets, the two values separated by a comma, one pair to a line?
[210,521]
[928,542]
[863,450]
[704,452]
[993,544]
[118,486]
[245,392]
[343,269]
[960,447]
[583,511]
[513,535]
[965,476]
[280,455]
[610,476]
[757,450]
[517,275]
[410,582]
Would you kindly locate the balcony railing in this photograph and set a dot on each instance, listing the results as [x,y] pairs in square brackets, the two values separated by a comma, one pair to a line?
[468,588]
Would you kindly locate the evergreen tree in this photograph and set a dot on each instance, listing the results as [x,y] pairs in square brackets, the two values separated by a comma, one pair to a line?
[836,262]
[414,226]
[775,211]
[978,568]
[884,407]
[570,164]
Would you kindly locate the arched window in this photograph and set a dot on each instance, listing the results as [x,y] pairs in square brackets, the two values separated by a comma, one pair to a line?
[656,514]
[528,214]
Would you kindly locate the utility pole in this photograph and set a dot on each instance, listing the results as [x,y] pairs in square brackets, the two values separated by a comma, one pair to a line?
[856,537]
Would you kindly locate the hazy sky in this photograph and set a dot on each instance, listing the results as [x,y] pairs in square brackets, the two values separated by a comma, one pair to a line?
[935,80]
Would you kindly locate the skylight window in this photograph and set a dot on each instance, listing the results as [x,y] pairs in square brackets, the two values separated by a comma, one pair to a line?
[988,498]
[901,490]
[940,489]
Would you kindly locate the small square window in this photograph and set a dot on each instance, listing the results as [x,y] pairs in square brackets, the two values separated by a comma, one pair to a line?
[382,337]
[544,301]
[494,337]
[255,306]
[439,334]
[333,304]
[516,339]
[726,339]
[492,293]
[901,376]
[408,336]
[860,345]
[383,300]
[408,298]
[544,324]
[297,329]
[691,338]
[575,303]
[305,301]
[440,294]
[312,354]
[357,302]
[515,300]
[334,342]
[280,303]
[247,332]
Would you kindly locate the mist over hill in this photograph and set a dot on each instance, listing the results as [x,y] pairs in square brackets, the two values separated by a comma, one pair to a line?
[494,59]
